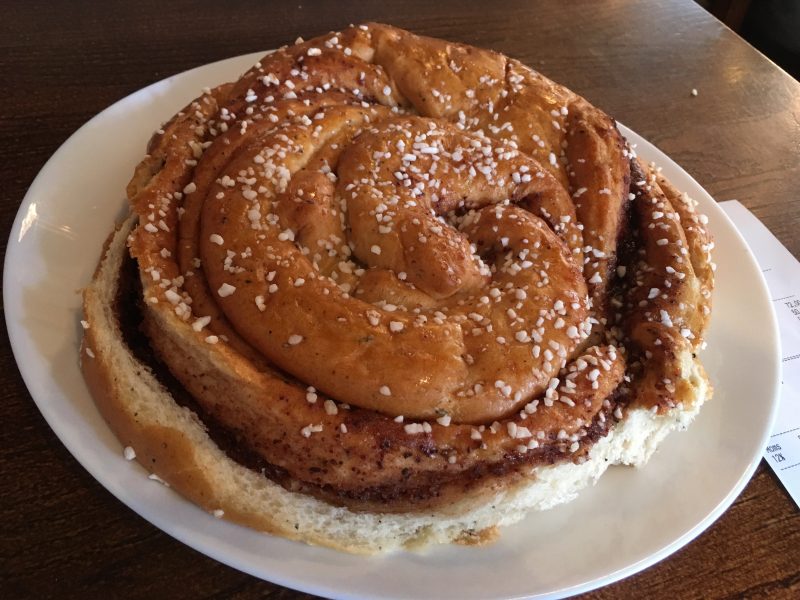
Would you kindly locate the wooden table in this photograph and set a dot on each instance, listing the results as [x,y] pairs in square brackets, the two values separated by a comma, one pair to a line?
[63,535]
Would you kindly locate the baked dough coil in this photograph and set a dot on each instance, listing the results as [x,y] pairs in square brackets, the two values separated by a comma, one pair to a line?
[390,267]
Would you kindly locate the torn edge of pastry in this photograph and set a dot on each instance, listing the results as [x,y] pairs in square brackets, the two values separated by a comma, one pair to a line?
[387,291]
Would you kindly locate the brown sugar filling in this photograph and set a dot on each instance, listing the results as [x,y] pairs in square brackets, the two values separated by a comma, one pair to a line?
[428,490]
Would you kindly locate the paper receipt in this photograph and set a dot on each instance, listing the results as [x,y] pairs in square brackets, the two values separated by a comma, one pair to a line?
[782,273]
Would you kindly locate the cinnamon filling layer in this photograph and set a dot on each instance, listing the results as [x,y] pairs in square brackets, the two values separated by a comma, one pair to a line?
[417,494]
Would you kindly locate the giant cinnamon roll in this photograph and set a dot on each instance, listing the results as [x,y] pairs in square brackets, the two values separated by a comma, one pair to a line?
[387,290]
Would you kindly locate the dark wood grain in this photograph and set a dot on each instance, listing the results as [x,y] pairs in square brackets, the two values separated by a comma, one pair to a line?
[63,535]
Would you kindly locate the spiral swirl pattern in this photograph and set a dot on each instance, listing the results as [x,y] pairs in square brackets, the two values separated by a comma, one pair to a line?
[391,267]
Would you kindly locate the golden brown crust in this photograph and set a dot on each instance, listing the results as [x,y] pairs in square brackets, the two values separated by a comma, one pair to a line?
[699,245]
[166,451]
[377,260]
[666,298]
[600,191]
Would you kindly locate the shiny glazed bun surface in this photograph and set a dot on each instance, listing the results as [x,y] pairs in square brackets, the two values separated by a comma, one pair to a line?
[406,275]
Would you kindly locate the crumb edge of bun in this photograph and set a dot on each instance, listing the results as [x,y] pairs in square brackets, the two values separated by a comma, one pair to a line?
[171,442]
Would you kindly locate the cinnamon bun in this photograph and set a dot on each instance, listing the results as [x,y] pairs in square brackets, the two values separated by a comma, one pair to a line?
[385,291]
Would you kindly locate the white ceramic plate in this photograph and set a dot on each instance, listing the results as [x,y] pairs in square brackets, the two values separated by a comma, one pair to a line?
[630,520]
